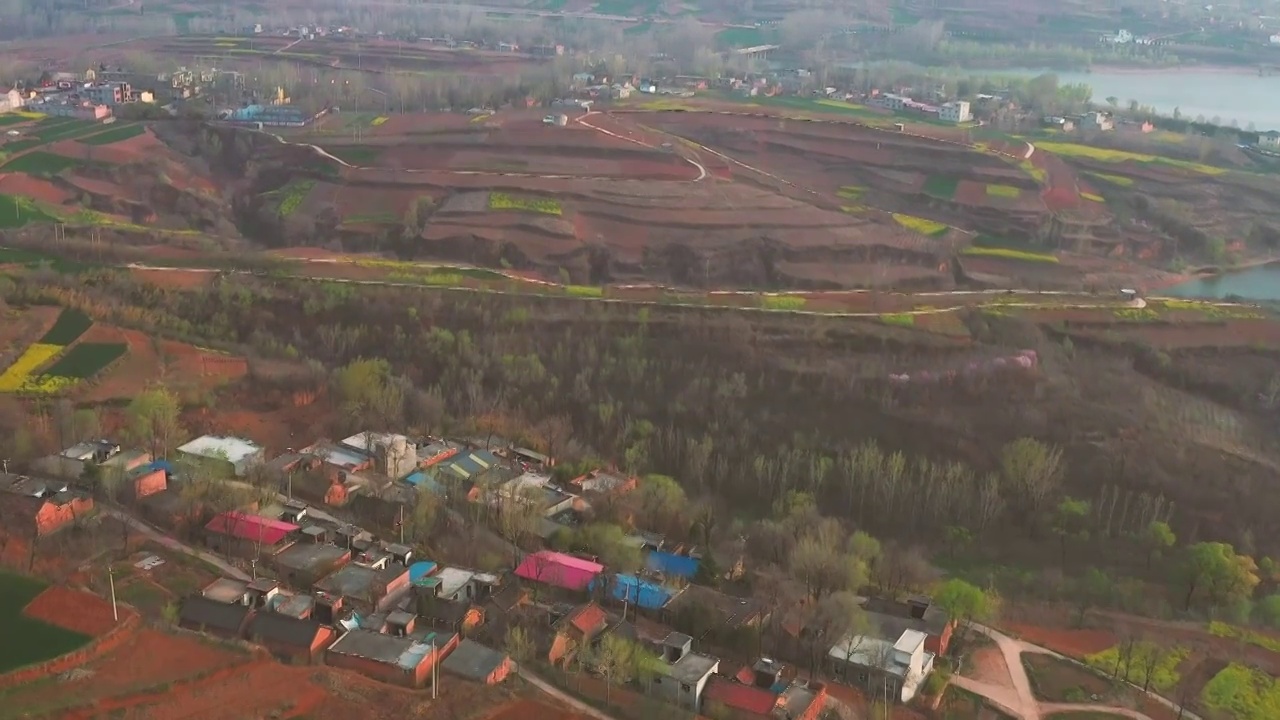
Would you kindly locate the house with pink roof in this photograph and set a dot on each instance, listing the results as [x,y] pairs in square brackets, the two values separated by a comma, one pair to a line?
[558,569]
[246,535]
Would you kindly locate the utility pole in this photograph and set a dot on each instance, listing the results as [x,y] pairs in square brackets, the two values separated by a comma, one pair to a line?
[401,523]
[111,579]
[435,667]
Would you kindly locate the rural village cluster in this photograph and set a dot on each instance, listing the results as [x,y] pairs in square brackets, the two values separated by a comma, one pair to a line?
[323,590]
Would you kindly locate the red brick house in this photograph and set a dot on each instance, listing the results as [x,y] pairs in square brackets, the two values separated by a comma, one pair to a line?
[399,660]
[576,631]
[148,482]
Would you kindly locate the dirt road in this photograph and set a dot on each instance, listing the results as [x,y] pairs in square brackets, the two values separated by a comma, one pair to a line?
[1020,701]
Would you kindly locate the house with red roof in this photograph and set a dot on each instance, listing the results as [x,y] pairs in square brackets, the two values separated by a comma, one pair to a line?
[760,693]
[559,570]
[250,536]
[577,630]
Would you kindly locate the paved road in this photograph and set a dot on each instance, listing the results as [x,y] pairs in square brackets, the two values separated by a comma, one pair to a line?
[1020,701]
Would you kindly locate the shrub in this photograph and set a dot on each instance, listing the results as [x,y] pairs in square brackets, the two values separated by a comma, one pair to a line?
[898,319]
[379,120]
[1242,693]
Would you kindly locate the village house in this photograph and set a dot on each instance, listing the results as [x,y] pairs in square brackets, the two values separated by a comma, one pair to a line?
[460,617]
[365,587]
[405,661]
[1097,121]
[760,693]
[537,488]
[727,611]
[248,536]
[11,100]
[457,584]
[304,563]
[575,631]
[225,620]
[1059,123]
[633,591]
[477,663]
[685,673]
[892,669]
[40,507]
[605,482]
[559,570]
[229,455]
[71,462]
[291,639]
[1269,140]
[147,480]
[956,111]
[253,594]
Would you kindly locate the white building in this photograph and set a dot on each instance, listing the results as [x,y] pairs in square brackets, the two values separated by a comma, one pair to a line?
[897,669]
[238,453]
[956,111]
[890,101]
[1275,39]
[1097,121]
[11,100]
[1270,140]
[684,673]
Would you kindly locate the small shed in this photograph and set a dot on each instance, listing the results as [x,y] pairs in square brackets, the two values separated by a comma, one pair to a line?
[474,661]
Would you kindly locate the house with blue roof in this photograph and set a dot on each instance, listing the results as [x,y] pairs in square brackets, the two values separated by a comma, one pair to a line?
[681,566]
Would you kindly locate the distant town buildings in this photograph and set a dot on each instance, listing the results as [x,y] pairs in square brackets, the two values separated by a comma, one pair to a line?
[956,111]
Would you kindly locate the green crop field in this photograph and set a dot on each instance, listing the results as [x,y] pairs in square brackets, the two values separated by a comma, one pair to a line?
[503,201]
[28,641]
[86,360]
[114,135]
[71,325]
[294,193]
[40,163]
[942,187]
[66,131]
[11,119]
[1004,191]
[355,154]
[17,211]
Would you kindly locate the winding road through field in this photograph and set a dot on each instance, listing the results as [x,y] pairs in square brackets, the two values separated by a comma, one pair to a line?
[1020,700]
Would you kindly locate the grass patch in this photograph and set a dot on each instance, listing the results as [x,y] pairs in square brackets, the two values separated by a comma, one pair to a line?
[1004,191]
[355,154]
[942,187]
[1146,314]
[781,302]
[114,135]
[897,319]
[293,195]
[378,120]
[1009,254]
[853,209]
[12,119]
[1117,156]
[584,291]
[1120,180]
[1038,174]
[1242,693]
[1250,637]
[28,641]
[503,201]
[71,324]
[850,192]
[924,226]
[373,218]
[1055,680]
[17,211]
[41,164]
[1213,311]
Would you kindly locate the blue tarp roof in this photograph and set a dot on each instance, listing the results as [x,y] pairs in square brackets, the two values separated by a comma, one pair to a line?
[164,465]
[629,588]
[420,478]
[677,565]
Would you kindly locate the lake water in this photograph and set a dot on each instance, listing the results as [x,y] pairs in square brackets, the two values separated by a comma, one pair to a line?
[1245,96]
[1259,283]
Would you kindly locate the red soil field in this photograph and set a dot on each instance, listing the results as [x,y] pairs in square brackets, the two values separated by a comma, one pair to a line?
[1076,643]
[26,325]
[173,279]
[533,710]
[72,609]
[42,190]
[177,362]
